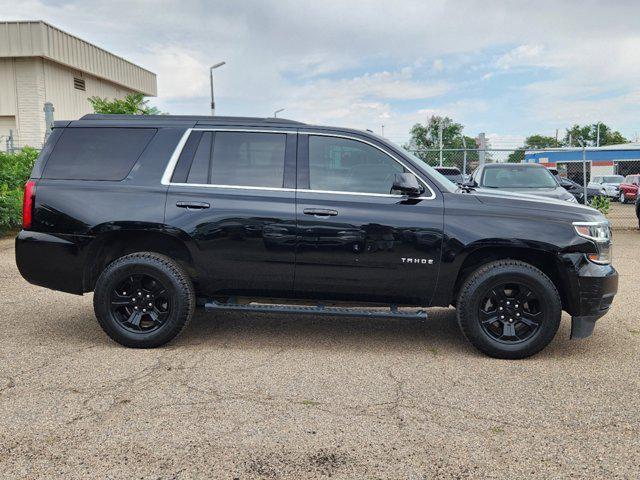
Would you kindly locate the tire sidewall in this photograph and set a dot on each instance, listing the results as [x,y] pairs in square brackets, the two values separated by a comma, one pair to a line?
[111,278]
[482,285]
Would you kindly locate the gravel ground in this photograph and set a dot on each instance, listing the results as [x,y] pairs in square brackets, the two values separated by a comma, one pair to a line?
[244,396]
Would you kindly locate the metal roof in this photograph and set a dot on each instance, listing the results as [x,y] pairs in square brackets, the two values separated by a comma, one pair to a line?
[39,39]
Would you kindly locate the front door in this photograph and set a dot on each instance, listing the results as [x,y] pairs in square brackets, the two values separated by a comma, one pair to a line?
[230,196]
[357,239]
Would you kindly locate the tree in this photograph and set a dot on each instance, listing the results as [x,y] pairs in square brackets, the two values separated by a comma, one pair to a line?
[132,104]
[540,141]
[424,139]
[589,134]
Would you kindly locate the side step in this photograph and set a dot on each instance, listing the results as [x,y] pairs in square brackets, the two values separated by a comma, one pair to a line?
[320,309]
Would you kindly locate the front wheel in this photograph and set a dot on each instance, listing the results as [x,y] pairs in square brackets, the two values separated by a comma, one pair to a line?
[623,198]
[143,300]
[509,309]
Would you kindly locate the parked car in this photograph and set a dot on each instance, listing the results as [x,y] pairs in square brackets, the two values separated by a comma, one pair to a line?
[607,185]
[638,209]
[452,173]
[159,215]
[527,178]
[629,188]
[577,190]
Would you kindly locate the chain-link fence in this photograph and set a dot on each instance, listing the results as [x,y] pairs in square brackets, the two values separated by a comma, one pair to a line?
[607,171]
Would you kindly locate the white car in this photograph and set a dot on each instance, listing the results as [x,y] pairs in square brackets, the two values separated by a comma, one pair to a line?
[608,185]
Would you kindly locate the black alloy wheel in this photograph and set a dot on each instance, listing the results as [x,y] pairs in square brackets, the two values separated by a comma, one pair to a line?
[140,303]
[510,313]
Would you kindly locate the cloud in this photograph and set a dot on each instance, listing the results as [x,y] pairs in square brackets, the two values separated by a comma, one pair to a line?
[526,66]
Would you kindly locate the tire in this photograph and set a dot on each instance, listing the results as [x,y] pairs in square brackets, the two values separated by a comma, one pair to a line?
[143,281]
[483,298]
[623,198]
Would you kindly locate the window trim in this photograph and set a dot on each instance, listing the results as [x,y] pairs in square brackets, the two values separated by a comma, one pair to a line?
[175,156]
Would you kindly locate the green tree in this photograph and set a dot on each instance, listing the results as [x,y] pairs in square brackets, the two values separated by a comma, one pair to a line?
[424,139]
[541,141]
[132,104]
[589,134]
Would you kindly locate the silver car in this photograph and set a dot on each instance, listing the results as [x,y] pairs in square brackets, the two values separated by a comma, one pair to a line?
[527,178]
[608,185]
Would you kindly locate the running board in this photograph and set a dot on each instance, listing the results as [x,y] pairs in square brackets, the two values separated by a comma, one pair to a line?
[320,309]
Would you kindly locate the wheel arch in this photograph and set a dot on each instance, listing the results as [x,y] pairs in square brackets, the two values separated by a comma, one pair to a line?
[545,261]
[112,244]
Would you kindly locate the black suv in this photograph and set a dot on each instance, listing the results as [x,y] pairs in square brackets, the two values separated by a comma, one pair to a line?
[159,215]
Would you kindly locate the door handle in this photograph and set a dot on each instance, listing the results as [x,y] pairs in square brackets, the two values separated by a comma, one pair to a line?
[192,205]
[320,212]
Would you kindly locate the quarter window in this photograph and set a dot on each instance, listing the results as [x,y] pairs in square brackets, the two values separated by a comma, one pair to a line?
[344,165]
[97,153]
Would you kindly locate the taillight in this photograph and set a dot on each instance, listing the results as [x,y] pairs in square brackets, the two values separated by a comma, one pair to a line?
[27,203]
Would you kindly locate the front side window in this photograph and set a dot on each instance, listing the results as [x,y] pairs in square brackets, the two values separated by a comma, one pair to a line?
[344,165]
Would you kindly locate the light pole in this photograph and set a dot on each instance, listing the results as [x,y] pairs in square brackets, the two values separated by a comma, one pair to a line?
[213,102]
[275,114]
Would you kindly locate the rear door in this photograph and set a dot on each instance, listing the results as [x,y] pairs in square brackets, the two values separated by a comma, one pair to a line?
[232,193]
[357,240]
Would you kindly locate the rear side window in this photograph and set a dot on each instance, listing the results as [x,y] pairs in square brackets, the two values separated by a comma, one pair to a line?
[250,159]
[97,153]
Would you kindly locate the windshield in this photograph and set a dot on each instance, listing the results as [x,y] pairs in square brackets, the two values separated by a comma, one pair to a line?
[616,179]
[506,176]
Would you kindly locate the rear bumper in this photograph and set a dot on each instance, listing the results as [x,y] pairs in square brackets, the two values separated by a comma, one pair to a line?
[52,261]
[592,288]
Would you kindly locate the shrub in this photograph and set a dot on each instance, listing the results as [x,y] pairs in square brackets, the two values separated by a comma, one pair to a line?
[601,203]
[15,169]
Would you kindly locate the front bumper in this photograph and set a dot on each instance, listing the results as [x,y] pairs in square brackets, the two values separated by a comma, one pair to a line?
[590,292]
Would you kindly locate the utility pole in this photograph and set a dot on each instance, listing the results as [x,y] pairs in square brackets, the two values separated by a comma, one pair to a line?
[584,169]
[464,158]
[570,141]
[556,138]
[213,102]
[598,134]
[482,146]
[440,139]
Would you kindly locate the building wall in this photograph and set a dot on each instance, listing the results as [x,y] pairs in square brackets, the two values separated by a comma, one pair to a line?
[28,82]
[69,102]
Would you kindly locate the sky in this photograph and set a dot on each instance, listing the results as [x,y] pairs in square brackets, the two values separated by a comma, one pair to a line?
[509,69]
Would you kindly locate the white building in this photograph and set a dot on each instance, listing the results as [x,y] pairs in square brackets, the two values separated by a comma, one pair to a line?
[40,63]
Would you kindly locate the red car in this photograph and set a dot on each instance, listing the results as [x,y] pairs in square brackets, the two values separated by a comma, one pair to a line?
[629,188]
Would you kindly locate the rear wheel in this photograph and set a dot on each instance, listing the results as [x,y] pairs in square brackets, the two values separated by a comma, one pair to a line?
[509,309]
[143,300]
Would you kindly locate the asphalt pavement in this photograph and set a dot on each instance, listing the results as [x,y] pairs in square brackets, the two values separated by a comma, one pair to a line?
[259,396]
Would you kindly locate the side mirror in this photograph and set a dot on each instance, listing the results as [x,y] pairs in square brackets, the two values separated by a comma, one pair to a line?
[407,183]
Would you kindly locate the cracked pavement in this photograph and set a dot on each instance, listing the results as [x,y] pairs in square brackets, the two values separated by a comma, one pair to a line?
[261,396]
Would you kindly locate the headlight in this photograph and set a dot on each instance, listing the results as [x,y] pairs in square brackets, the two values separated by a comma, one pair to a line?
[600,234]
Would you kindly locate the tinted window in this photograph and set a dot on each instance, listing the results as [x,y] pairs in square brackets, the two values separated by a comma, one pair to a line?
[248,159]
[97,153]
[199,171]
[343,165]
